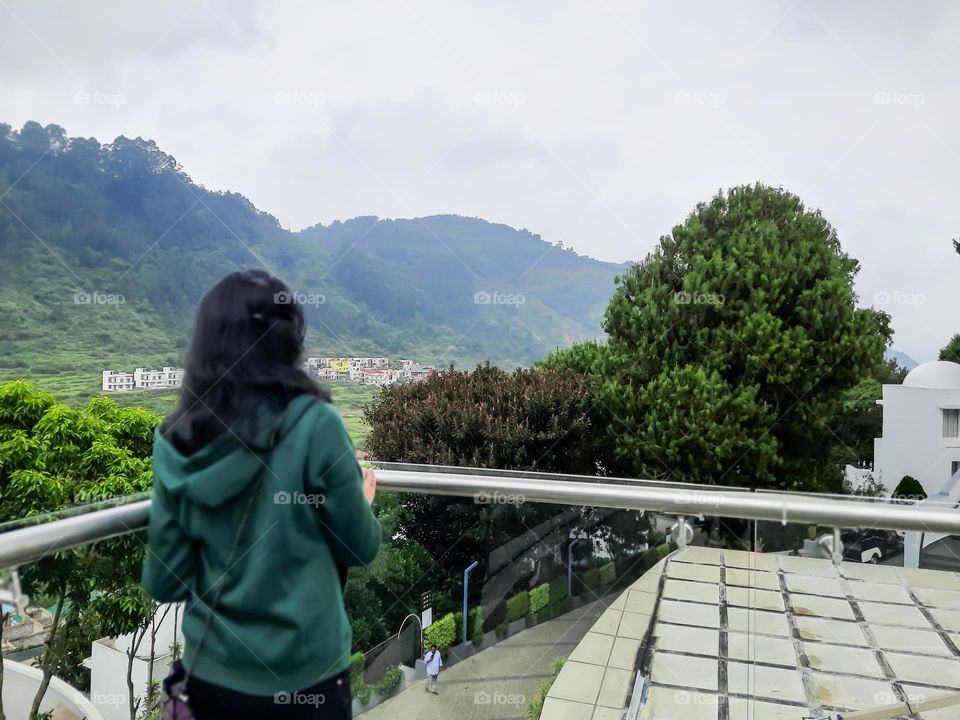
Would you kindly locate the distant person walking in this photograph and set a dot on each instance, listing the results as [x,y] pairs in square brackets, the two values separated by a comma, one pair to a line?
[434,663]
[259,507]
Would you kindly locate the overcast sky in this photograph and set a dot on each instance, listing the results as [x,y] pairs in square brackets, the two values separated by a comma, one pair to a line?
[598,124]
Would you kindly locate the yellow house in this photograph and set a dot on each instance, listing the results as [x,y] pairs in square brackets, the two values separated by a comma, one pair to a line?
[339,364]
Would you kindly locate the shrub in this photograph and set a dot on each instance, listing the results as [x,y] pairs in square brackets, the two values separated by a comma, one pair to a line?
[362,692]
[357,663]
[535,706]
[909,488]
[442,633]
[518,606]
[385,686]
[591,578]
[558,588]
[475,626]
[608,573]
[458,627]
[539,597]
[501,630]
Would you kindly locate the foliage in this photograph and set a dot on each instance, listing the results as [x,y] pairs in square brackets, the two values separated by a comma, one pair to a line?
[535,705]
[441,633]
[909,488]
[362,690]
[524,420]
[501,630]
[518,606]
[475,626]
[53,457]
[539,597]
[607,573]
[591,578]
[730,347]
[558,588]
[951,351]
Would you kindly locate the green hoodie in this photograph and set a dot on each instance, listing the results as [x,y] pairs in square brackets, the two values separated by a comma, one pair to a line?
[280,624]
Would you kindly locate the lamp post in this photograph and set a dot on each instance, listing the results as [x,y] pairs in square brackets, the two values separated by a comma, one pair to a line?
[466,584]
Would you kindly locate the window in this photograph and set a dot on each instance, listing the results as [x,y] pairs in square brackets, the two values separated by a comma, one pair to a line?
[954,467]
[951,423]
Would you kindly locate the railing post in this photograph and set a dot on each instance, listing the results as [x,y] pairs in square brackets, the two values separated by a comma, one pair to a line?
[837,547]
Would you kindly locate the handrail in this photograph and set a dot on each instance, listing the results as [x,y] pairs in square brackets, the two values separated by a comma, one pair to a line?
[23,545]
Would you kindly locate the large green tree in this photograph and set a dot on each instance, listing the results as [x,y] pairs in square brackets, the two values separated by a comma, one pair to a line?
[731,347]
[951,351]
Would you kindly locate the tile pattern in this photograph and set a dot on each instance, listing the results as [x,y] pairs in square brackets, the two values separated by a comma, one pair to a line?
[744,635]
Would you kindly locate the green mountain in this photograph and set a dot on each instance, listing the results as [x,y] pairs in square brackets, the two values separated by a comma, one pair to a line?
[105,251]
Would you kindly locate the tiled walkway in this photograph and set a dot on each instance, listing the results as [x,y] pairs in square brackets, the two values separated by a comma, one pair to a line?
[496,683]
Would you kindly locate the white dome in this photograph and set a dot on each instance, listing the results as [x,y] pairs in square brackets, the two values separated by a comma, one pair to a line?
[936,375]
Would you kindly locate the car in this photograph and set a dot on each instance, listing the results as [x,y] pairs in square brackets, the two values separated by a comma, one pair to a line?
[871,545]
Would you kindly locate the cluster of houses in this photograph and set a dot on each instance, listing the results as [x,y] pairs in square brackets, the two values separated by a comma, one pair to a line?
[142,378]
[366,370]
[359,370]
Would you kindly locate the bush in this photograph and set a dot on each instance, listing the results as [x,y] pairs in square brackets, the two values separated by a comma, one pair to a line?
[501,630]
[535,706]
[362,692]
[357,664]
[458,627]
[442,633]
[558,588]
[475,626]
[909,488]
[518,606]
[539,597]
[608,573]
[385,686]
[591,578]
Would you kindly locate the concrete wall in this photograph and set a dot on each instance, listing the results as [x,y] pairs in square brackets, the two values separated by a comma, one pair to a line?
[20,683]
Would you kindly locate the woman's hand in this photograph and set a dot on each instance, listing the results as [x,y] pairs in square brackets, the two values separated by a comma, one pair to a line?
[369,484]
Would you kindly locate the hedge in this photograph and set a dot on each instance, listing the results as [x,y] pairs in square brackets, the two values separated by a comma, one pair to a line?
[518,606]
[442,633]
[475,626]
[535,706]
[539,597]
[608,573]
[591,578]
[558,588]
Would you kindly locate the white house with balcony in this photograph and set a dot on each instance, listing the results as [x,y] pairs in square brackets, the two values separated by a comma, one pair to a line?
[921,428]
[164,378]
[117,380]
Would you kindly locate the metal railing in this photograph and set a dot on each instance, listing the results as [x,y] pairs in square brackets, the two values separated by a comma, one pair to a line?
[26,544]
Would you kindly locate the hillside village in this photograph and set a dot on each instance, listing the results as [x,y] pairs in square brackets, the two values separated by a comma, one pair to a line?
[377,371]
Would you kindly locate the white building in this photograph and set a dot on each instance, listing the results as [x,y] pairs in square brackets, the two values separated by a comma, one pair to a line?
[117,380]
[20,684]
[921,428]
[108,665]
[165,377]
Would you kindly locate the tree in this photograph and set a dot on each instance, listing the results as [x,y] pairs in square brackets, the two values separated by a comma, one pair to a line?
[730,347]
[951,351]
[909,488]
[530,419]
[54,457]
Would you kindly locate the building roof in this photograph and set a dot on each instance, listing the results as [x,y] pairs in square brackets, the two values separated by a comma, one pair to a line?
[748,636]
[937,375]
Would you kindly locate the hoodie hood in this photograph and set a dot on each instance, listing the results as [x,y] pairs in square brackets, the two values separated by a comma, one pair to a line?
[223,468]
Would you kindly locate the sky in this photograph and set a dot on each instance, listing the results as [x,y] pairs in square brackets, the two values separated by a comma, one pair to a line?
[596,124]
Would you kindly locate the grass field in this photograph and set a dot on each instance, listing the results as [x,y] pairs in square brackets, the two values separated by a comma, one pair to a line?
[76,388]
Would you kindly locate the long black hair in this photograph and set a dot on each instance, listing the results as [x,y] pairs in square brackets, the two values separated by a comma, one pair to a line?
[244,363]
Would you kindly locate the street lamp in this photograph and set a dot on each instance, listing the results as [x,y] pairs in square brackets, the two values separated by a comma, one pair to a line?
[466,584]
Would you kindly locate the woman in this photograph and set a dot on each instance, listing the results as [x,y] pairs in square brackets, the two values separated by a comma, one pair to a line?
[259,507]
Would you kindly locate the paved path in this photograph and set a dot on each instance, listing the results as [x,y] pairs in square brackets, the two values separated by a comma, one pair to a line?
[496,683]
